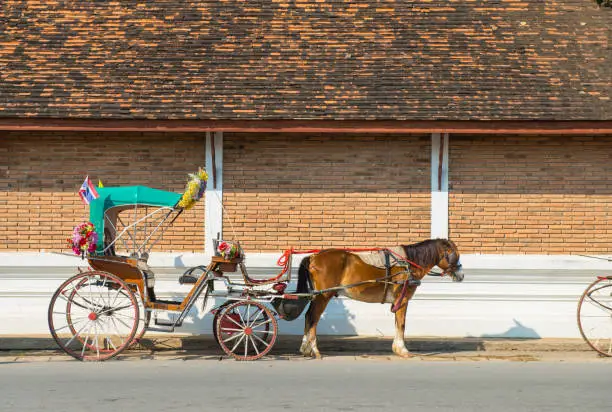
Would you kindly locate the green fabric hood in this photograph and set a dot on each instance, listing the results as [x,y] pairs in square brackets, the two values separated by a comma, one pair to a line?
[111,197]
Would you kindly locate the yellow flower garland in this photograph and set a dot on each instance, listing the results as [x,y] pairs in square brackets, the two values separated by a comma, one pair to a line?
[195,189]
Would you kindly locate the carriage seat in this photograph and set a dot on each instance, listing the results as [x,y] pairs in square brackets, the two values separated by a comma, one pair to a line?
[377,257]
[188,277]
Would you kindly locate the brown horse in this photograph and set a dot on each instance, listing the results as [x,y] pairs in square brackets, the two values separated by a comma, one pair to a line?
[336,268]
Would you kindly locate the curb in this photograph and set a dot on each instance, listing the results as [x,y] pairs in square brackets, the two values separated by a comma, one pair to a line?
[289,344]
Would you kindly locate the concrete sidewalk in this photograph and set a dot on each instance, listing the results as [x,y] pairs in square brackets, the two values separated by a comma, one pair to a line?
[41,348]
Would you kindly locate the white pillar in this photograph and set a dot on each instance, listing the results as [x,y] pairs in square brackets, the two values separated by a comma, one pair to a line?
[213,224]
[439,185]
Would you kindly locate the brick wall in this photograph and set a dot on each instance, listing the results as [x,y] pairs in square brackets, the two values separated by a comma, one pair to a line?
[40,174]
[316,191]
[531,194]
[509,194]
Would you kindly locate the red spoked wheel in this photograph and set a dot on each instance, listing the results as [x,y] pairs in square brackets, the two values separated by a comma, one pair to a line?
[93,316]
[595,316]
[217,313]
[143,322]
[246,330]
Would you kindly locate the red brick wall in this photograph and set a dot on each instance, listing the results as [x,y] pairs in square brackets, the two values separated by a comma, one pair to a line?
[316,191]
[531,194]
[40,174]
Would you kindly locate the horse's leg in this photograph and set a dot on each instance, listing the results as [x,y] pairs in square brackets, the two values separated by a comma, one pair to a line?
[399,345]
[316,309]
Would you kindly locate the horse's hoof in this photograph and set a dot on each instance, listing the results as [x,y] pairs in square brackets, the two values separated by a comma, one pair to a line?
[306,351]
[402,352]
[405,355]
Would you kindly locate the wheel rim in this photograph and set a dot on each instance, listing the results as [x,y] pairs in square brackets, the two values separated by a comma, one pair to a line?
[93,316]
[246,330]
[595,316]
[143,321]
[218,312]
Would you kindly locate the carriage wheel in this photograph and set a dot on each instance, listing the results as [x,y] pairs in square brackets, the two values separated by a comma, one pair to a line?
[143,321]
[595,316]
[246,330]
[93,316]
[216,320]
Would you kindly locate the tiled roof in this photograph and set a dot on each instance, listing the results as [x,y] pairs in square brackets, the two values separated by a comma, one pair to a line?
[306,59]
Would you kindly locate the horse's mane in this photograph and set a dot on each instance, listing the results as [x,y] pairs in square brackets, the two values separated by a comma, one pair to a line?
[428,251]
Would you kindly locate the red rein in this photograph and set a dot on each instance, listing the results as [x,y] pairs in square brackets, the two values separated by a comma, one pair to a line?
[284,260]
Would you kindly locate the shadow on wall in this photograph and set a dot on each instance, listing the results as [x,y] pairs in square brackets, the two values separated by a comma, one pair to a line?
[517,331]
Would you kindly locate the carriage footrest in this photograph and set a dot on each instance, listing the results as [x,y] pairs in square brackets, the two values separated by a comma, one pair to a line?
[160,329]
[187,279]
[167,324]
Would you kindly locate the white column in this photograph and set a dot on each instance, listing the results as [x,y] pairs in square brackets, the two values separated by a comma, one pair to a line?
[213,224]
[439,185]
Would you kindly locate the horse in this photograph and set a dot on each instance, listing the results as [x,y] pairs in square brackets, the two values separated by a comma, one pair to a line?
[335,272]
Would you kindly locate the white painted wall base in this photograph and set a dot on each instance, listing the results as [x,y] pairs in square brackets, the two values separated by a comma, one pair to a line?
[526,296]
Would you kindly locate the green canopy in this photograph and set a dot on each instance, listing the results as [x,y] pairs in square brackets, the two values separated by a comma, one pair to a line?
[123,198]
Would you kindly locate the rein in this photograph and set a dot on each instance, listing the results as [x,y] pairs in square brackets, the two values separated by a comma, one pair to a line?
[364,282]
[285,259]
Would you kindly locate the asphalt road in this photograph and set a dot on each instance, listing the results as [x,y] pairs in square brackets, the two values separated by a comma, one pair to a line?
[305,385]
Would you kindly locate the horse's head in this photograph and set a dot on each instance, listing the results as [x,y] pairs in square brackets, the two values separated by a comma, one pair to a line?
[450,262]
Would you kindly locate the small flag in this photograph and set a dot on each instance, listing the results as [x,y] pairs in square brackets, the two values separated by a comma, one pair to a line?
[88,191]
[100,183]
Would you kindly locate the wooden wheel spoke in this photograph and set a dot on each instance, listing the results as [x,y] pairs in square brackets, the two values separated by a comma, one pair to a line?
[256,317]
[238,343]
[262,323]
[225,329]
[78,333]
[261,340]
[117,330]
[123,323]
[232,337]
[233,321]
[596,303]
[85,343]
[97,339]
[72,323]
[114,310]
[254,345]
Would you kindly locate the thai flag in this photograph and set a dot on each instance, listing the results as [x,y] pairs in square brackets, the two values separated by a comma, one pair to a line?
[88,191]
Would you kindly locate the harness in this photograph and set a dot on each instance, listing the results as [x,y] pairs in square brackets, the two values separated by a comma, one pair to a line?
[387,279]
[409,281]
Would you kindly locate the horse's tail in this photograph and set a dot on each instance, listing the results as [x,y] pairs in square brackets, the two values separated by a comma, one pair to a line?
[304,284]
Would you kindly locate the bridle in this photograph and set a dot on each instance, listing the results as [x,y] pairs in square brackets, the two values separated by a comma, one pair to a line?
[450,257]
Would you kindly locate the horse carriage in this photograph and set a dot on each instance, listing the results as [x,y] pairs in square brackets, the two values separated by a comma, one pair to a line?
[98,313]
[595,315]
